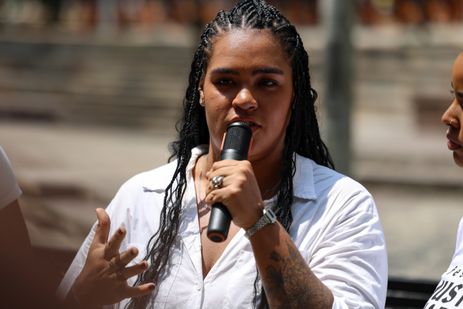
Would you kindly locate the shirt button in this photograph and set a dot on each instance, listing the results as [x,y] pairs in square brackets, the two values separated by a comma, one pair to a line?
[198,286]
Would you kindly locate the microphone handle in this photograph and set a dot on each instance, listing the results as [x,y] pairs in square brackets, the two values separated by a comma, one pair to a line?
[219,223]
[220,218]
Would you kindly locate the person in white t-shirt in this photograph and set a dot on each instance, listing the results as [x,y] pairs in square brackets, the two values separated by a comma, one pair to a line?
[13,231]
[18,265]
[449,291]
[10,191]
[301,236]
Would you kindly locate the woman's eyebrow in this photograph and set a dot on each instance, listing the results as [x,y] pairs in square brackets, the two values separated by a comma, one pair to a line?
[457,93]
[265,70]
[224,71]
[271,70]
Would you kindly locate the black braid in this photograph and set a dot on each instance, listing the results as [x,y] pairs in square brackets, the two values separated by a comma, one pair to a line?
[302,133]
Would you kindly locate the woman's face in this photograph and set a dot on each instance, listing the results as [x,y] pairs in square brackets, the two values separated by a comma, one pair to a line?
[453,116]
[248,78]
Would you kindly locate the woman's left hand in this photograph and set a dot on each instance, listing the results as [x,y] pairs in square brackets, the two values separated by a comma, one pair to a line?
[103,279]
[240,191]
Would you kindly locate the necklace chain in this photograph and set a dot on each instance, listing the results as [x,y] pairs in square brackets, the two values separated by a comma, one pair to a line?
[200,198]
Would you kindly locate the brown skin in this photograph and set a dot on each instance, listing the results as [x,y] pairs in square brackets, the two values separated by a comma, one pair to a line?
[453,116]
[20,266]
[103,280]
[254,84]
[13,230]
[287,279]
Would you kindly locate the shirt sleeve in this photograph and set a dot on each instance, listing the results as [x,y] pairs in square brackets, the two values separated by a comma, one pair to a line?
[118,215]
[352,259]
[76,265]
[9,188]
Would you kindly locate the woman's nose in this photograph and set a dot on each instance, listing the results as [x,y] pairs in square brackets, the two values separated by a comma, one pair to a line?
[244,100]
[449,117]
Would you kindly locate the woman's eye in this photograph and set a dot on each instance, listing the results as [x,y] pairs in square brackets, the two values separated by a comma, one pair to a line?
[224,82]
[454,95]
[457,96]
[268,83]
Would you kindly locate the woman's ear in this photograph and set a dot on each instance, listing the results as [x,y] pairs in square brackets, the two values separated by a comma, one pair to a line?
[201,97]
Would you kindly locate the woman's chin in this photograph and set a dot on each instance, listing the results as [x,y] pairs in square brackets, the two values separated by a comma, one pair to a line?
[458,158]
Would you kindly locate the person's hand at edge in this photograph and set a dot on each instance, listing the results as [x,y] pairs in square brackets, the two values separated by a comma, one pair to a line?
[103,279]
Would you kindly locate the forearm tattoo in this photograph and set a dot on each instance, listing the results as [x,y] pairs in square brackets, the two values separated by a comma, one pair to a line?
[288,283]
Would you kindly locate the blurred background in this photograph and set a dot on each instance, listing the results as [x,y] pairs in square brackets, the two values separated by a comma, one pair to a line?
[90,91]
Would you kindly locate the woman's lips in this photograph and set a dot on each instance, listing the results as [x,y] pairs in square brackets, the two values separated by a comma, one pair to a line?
[254,127]
[452,145]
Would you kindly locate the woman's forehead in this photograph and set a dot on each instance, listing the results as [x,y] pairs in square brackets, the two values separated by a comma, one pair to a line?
[244,43]
[457,75]
[243,37]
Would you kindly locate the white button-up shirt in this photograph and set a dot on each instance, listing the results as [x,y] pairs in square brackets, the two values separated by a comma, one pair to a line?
[335,227]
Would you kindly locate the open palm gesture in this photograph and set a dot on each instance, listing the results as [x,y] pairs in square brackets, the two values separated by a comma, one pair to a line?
[103,279]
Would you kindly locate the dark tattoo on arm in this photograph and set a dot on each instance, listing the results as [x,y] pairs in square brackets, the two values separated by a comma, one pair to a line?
[288,282]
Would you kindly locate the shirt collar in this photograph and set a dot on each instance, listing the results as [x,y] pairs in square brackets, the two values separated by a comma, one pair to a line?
[195,154]
[159,183]
[303,181]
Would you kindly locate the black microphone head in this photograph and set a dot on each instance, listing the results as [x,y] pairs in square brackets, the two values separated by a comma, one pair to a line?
[237,141]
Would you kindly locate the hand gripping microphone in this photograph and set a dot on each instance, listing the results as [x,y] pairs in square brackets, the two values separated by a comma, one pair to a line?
[235,147]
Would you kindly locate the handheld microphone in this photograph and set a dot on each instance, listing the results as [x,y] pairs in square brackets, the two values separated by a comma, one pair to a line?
[235,147]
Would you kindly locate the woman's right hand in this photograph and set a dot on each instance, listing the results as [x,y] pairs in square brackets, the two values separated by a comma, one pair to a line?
[103,280]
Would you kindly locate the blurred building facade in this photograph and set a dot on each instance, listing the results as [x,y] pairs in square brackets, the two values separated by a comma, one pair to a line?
[88,15]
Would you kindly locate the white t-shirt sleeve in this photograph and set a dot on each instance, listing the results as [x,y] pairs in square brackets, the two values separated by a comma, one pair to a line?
[9,188]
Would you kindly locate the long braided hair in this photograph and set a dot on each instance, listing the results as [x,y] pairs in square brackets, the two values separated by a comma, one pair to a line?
[302,132]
